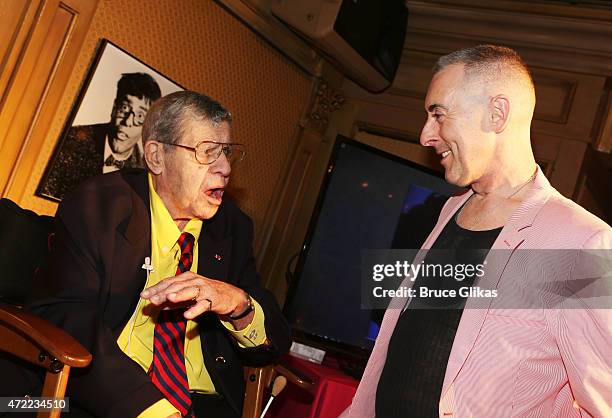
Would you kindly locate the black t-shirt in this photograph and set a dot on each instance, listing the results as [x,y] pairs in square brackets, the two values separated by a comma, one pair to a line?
[411,381]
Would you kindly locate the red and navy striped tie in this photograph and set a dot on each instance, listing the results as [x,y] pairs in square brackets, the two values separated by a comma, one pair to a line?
[168,371]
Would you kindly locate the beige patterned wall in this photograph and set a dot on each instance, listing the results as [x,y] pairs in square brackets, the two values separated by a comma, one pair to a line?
[202,47]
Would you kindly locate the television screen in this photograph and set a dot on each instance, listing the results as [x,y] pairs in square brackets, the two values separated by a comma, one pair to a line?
[368,200]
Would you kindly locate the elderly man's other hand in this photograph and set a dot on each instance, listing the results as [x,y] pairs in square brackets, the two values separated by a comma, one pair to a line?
[200,294]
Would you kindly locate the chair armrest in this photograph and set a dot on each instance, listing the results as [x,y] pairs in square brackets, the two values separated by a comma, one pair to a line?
[294,376]
[38,341]
[258,380]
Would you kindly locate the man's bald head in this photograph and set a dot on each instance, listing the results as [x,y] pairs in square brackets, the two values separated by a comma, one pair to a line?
[480,105]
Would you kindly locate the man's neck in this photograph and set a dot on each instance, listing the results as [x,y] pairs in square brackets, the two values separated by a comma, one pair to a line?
[181,223]
[505,184]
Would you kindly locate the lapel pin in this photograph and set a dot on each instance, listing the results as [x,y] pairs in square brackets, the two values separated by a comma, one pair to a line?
[148,266]
[217,257]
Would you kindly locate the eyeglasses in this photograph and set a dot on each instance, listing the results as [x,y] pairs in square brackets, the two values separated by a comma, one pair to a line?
[207,152]
[124,110]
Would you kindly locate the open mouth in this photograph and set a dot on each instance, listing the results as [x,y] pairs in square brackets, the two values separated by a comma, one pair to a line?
[215,194]
[444,155]
[122,136]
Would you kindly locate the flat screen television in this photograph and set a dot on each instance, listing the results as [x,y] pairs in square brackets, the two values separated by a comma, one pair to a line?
[369,199]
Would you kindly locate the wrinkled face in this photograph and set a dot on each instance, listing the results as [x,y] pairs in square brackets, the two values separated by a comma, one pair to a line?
[126,122]
[191,190]
[456,127]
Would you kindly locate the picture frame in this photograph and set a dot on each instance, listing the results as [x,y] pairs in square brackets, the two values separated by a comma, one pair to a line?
[102,132]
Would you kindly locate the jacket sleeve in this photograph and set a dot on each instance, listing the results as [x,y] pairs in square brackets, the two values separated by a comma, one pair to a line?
[583,327]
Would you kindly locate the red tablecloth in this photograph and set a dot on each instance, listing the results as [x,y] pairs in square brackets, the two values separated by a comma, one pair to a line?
[332,393]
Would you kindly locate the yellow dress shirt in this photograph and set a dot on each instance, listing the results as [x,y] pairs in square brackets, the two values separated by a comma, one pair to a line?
[136,339]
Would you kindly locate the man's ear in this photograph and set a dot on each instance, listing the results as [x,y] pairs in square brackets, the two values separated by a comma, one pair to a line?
[499,107]
[154,156]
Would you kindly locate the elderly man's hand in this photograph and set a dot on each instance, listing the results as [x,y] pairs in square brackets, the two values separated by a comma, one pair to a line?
[199,293]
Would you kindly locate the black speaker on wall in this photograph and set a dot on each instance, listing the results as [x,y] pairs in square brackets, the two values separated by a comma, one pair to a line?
[364,39]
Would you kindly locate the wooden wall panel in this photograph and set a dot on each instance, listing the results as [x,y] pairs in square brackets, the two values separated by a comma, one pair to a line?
[594,186]
[11,16]
[554,99]
[16,19]
[602,129]
[297,179]
[36,83]
[566,103]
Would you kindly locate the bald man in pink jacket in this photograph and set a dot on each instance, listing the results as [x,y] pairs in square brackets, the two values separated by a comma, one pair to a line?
[509,357]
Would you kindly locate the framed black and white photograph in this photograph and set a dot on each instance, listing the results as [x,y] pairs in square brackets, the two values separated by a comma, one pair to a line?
[103,131]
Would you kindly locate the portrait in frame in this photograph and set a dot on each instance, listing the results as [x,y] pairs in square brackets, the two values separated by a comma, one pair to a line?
[103,132]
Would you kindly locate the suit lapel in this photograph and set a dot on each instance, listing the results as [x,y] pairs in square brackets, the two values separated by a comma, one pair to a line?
[213,257]
[215,248]
[514,233]
[137,228]
[132,244]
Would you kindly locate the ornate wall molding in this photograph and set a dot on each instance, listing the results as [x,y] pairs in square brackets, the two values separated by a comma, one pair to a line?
[327,100]
[545,34]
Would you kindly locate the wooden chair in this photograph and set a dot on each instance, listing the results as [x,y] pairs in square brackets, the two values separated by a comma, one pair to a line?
[41,343]
[24,242]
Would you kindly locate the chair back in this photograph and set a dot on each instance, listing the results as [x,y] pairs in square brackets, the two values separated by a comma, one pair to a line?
[24,244]
[25,239]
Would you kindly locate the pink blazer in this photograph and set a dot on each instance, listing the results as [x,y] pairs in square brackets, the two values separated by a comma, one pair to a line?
[553,362]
